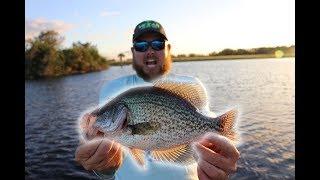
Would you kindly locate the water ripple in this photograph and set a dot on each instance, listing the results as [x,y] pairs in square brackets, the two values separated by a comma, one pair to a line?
[262,89]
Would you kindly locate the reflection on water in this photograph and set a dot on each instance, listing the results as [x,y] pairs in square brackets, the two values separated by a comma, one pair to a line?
[263,90]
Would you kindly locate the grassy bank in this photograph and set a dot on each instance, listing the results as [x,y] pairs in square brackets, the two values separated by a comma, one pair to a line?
[228,57]
[209,58]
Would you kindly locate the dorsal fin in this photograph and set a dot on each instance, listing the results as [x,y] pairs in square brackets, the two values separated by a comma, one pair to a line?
[182,155]
[190,91]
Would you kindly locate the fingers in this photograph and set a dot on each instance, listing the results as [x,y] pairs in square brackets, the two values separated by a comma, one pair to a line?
[101,152]
[215,159]
[92,131]
[82,140]
[201,174]
[107,156]
[86,126]
[84,122]
[208,171]
[96,154]
[85,151]
[99,155]
[113,159]
[221,145]
[114,152]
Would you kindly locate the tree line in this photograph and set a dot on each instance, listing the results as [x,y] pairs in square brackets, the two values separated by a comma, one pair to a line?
[287,51]
[44,57]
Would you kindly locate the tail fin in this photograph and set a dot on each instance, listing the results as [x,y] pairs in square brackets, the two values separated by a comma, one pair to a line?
[226,123]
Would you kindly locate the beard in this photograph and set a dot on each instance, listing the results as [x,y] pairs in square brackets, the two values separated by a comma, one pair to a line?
[166,67]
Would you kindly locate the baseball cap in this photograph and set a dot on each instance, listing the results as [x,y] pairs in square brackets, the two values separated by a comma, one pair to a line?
[148,26]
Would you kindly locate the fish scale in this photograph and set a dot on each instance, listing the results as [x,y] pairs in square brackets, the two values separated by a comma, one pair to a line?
[149,105]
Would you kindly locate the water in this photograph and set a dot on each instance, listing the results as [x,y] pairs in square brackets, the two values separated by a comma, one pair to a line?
[263,90]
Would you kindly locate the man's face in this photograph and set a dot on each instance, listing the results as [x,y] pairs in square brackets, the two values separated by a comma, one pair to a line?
[151,63]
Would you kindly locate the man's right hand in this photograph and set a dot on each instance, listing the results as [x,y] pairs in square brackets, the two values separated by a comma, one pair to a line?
[97,154]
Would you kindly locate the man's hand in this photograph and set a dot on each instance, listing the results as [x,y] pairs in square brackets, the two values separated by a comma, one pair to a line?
[100,155]
[97,154]
[217,157]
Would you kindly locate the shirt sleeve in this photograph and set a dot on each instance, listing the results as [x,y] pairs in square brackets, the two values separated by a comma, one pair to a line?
[111,88]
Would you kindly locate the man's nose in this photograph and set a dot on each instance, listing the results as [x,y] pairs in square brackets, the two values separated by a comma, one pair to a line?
[150,52]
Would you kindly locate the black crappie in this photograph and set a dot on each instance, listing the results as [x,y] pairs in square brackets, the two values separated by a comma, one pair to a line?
[162,119]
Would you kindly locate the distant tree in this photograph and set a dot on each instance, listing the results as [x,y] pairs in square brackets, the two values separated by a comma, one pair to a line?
[41,54]
[50,38]
[83,57]
[264,50]
[213,54]
[227,52]
[192,55]
[241,52]
[121,55]
[181,55]
[45,58]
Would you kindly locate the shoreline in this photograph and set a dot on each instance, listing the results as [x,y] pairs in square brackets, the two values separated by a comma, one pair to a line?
[182,59]
[211,58]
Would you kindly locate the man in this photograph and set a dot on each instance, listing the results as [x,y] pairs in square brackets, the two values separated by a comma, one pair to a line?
[216,155]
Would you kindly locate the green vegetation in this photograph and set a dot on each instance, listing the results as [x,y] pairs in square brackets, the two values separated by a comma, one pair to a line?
[268,52]
[121,55]
[230,54]
[226,57]
[45,58]
[120,63]
[289,51]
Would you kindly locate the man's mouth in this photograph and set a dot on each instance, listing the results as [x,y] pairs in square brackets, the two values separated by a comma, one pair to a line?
[151,63]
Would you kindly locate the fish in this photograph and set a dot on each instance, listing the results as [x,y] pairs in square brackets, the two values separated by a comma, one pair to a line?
[162,120]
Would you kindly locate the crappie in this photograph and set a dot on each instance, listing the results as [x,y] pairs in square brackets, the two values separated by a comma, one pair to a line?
[163,119]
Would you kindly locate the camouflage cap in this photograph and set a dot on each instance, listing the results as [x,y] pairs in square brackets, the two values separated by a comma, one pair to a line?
[148,26]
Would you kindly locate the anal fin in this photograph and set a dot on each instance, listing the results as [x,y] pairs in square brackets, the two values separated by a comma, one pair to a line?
[138,156]
[182,154]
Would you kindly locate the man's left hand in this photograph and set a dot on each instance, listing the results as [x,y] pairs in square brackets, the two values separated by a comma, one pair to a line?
[217,157]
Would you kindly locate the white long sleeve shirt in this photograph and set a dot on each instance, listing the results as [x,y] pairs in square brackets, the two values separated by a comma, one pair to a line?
[153,170]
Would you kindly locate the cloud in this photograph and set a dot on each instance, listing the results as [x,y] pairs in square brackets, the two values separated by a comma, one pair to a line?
[34,26]
[109,13]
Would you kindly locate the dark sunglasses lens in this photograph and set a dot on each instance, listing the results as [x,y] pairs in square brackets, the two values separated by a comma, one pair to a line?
[141,46]
[157,45]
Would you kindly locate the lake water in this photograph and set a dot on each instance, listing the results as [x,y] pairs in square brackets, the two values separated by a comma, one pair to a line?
[262,89]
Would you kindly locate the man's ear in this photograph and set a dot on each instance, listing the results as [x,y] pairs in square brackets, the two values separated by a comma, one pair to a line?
[132,50]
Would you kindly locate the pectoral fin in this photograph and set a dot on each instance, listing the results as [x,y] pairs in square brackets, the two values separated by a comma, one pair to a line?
[182,154]
[145,128]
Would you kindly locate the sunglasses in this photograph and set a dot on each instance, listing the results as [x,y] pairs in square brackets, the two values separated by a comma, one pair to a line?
[142,46]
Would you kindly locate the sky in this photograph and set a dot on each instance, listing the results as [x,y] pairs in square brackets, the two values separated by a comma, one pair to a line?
[200,27]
